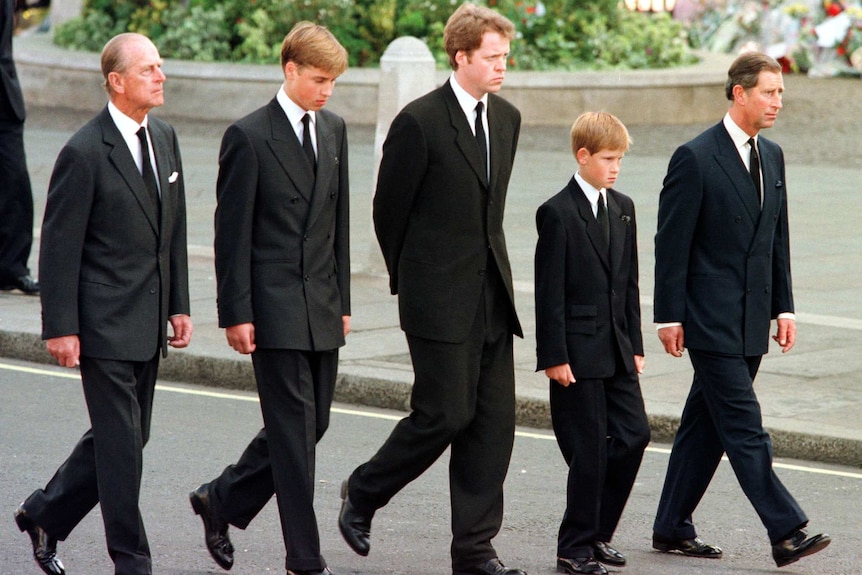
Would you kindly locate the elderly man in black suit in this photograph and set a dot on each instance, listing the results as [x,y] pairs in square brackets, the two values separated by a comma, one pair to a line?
[114,272]
[283,271]
[438,214]
[16,197]
[722,273]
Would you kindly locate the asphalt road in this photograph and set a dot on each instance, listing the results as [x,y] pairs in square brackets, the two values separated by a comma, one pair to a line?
[197,431]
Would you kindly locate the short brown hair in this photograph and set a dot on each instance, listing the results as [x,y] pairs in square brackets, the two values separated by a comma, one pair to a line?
[745,71]
[598,131]
[309,44]
[465,27]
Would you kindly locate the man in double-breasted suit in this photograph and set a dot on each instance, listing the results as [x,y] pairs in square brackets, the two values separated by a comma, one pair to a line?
[589,343]
[16,197]
[114,274]
[283,272]
[438,214]
[722,274]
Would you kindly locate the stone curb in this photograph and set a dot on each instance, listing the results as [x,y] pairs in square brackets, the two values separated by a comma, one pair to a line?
[385,391]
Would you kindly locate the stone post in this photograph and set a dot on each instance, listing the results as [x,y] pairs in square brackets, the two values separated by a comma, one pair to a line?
[62,10]
[407,71]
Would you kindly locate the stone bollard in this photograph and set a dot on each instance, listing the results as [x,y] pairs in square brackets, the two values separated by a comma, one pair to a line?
[62,10]
[407,71]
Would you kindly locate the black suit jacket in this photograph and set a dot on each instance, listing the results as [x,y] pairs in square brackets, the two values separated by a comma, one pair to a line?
[110,270]
[438,221]
[587,296]
[722,264]
[281,236]
[11,99]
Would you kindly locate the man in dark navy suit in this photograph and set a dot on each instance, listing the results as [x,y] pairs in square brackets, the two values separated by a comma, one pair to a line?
[722,273]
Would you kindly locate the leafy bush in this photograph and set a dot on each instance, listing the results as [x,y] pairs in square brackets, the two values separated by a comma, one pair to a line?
[552,35]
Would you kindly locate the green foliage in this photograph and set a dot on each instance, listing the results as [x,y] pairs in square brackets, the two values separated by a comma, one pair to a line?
[552,35]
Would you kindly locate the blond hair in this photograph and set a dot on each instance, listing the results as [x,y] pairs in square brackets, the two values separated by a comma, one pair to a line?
[309,44]
[596,131]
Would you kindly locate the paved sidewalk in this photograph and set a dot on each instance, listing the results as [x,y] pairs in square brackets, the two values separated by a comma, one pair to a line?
[811,398]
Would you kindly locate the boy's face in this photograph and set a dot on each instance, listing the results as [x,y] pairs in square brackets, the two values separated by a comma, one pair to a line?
[600,169]
[308,87]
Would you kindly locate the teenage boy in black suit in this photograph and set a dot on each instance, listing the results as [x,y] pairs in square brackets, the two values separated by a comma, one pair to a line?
[282,260]
[588,332]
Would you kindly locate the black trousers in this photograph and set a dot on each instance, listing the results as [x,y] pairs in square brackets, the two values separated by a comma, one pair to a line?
[296,389]
[722,415]
[602,430]
[105,467]
[463,398]
[16,203]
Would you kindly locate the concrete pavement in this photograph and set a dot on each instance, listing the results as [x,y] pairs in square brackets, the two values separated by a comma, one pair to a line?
[811,398]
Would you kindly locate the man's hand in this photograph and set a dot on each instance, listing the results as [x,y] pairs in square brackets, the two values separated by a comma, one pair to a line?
[65,349]
[672,339]
[241,337]
[182,326]
[640,362]
[562,374]
[786,334]
[345,322]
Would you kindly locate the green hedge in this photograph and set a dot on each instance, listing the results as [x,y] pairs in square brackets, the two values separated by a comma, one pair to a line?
[556,34]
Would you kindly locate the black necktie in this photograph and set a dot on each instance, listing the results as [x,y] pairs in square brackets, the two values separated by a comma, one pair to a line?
[480,137]
[754,168]
[602,218]
[306,141]
[147,169]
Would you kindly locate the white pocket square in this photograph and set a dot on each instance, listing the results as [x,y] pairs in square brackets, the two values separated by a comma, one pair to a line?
[173,177]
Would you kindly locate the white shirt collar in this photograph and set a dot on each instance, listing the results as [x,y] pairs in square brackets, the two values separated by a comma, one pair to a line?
[129,131]
[126,125]
[294,112]
[466,101]
[739,137]
[591,192]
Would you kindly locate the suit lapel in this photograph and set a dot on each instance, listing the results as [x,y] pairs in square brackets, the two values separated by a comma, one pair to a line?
[121,157]
[585,211]
[728,159]
[288,151]
[618,231]
[464,138]
[327,165]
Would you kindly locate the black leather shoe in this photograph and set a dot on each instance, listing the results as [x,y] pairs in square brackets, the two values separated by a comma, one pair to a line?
[354,526]
[606,554]
[24,283]
[580,565]
[215,529]
[692,547]
[44,546]
[492,567]
[325,571]
[797,546]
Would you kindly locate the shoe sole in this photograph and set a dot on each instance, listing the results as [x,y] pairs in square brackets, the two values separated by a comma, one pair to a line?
[819,546]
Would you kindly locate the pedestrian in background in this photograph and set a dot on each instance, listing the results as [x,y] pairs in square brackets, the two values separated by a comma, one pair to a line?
[16,196]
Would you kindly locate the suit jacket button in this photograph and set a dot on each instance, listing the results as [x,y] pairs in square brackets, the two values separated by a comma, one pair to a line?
[306,278]
[152,290]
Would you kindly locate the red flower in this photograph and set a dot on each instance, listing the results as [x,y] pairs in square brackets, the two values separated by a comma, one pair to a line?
[834,8]
[841,50]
